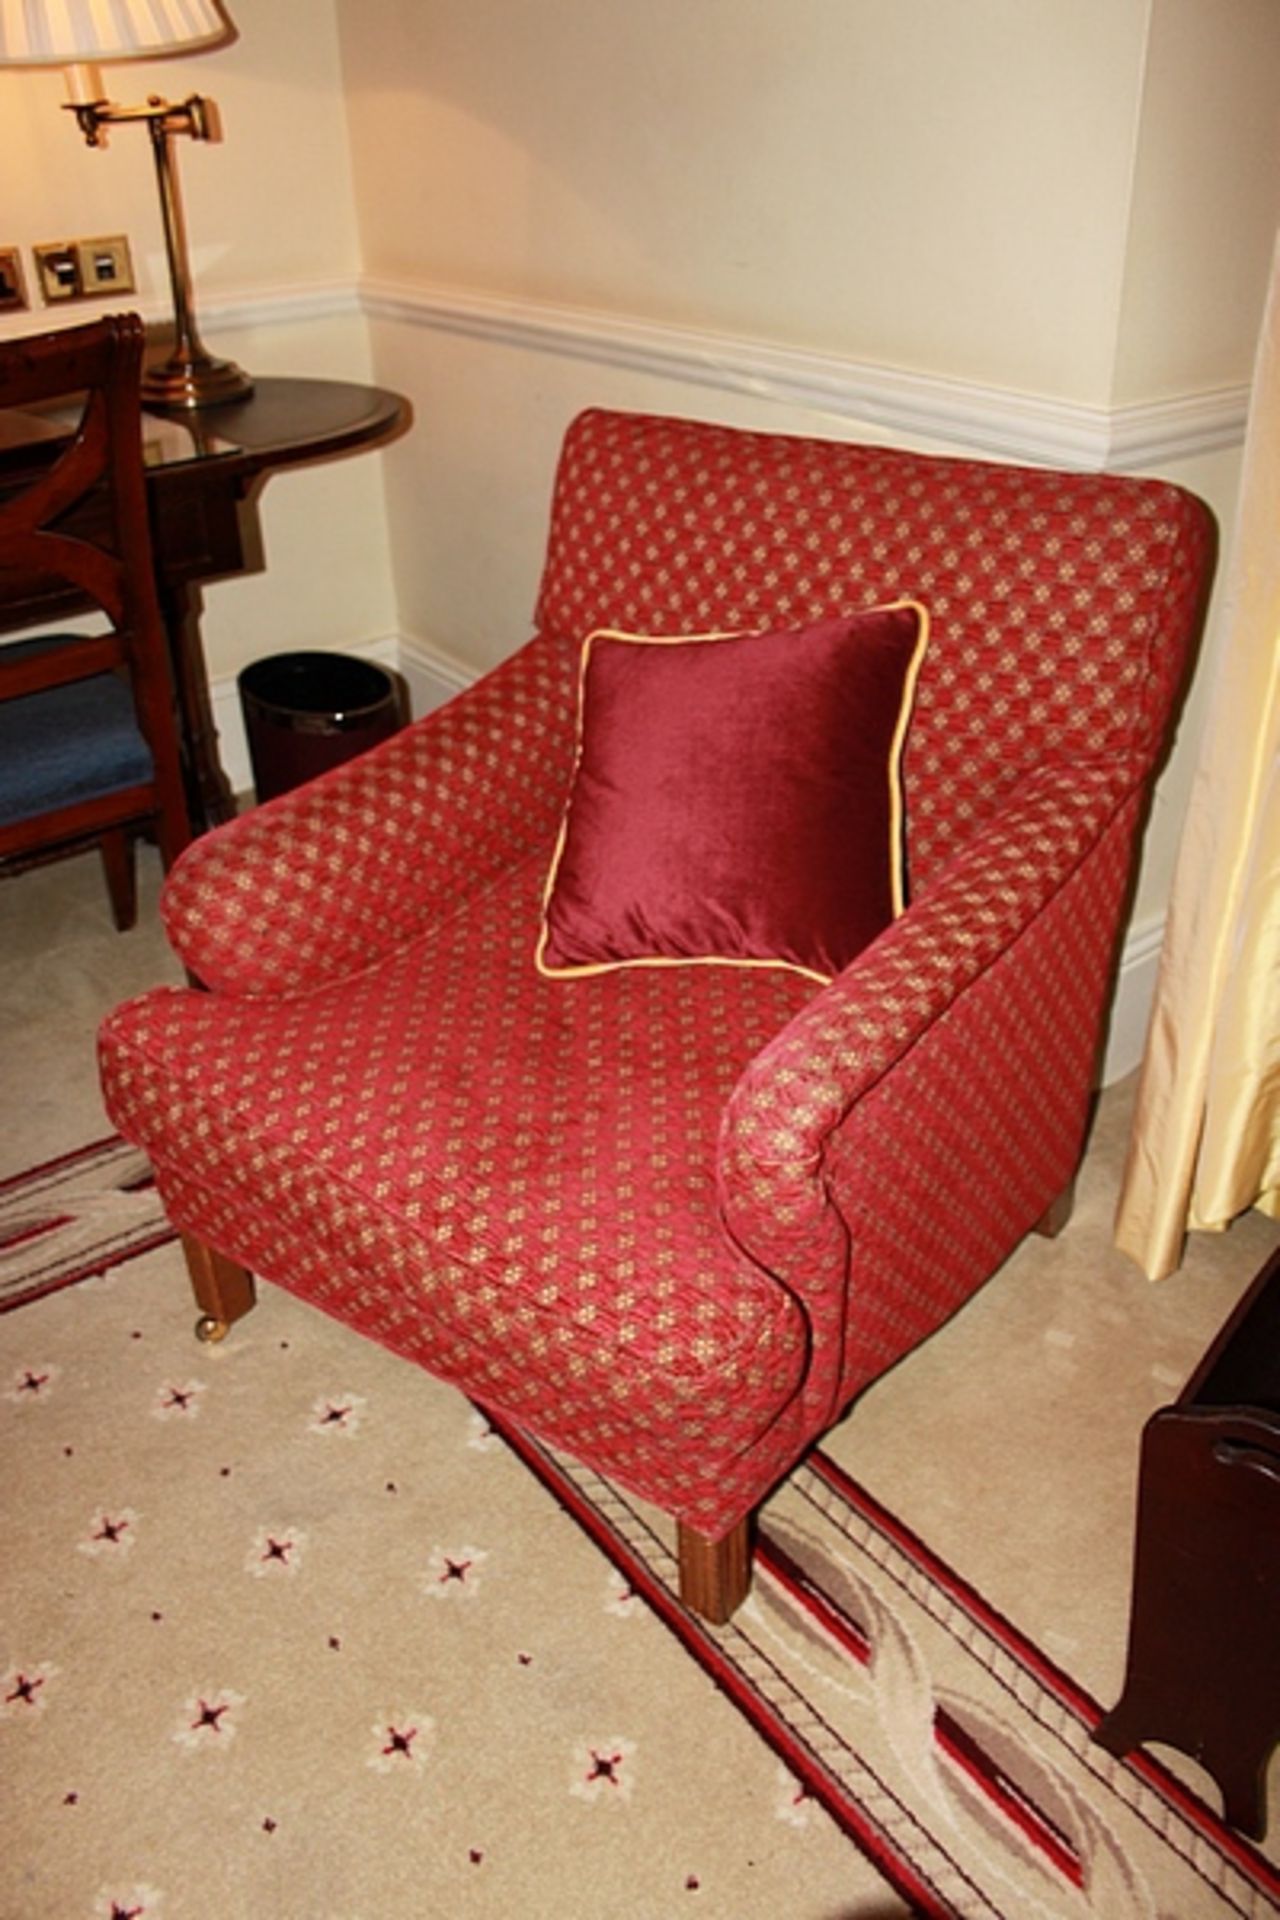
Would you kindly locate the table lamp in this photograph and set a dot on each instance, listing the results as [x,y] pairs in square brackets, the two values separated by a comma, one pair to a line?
[80,34]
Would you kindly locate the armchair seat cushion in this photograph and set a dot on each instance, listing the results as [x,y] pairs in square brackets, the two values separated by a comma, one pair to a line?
[521,1172]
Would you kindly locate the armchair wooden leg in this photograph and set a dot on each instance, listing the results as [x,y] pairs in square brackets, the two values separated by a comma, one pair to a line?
[715,1575]
[224,1291]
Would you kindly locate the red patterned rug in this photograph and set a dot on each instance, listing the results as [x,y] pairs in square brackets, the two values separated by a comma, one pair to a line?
[950,1750]
[74,1217]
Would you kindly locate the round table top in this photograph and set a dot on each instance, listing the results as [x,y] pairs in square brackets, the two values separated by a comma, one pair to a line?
[282,422]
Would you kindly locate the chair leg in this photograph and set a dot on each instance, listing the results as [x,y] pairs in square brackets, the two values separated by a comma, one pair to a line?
[224,1291]
[715,1575]
[116,846]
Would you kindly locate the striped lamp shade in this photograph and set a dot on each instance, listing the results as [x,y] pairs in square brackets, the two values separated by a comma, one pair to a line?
[54,33]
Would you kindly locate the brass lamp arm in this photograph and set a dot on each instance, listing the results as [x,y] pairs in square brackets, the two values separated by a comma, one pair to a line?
[195,115]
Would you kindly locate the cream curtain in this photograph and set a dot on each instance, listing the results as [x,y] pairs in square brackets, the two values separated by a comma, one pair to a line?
[1206,1131]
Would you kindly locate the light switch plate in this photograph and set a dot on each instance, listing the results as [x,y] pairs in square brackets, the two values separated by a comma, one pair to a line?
[84,269]
[13,289]
[57,270]
[105,265]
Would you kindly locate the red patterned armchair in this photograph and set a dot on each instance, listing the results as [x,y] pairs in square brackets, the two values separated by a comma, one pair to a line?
[673,1218]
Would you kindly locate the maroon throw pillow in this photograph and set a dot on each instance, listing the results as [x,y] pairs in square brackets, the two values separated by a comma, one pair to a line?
[737,798]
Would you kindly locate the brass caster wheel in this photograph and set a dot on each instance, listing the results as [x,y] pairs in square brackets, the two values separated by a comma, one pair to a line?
[209,1331]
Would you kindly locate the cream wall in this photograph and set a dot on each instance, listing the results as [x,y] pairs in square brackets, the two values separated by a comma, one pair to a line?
[1066,197]
[843,174]
[1036,229]
[1051,218]
[1205,200]
[271,205]
[275,253]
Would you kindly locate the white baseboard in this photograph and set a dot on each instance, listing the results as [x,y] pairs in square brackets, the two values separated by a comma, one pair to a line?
[431,675]
[233,747]
[1132,1000]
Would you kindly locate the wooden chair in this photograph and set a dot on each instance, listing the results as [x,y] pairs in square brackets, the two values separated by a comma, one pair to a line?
[89,746]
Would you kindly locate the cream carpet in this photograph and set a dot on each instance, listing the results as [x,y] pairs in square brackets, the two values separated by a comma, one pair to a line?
[288,1630]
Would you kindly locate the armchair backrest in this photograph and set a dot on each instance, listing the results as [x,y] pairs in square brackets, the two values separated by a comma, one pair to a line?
[1062,604]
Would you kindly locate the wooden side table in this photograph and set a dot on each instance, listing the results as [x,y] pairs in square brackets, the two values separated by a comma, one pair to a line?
[1203,1668]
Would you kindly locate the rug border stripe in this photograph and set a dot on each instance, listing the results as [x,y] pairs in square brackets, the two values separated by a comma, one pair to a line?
[112,1250]
[838,1626]
[109,1145]
[92,1269]
[1076,1699]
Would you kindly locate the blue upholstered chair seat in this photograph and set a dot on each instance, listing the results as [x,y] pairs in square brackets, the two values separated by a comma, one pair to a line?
[77,741]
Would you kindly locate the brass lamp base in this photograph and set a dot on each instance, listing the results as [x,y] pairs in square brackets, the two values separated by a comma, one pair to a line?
[188,381]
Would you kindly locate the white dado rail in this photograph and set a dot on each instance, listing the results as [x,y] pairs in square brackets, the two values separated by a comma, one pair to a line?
[927,407]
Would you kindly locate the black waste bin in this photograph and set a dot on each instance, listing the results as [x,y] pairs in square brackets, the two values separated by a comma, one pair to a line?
[307,712]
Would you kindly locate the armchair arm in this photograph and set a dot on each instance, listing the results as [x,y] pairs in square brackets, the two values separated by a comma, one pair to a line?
[954,1056]
[325,879]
